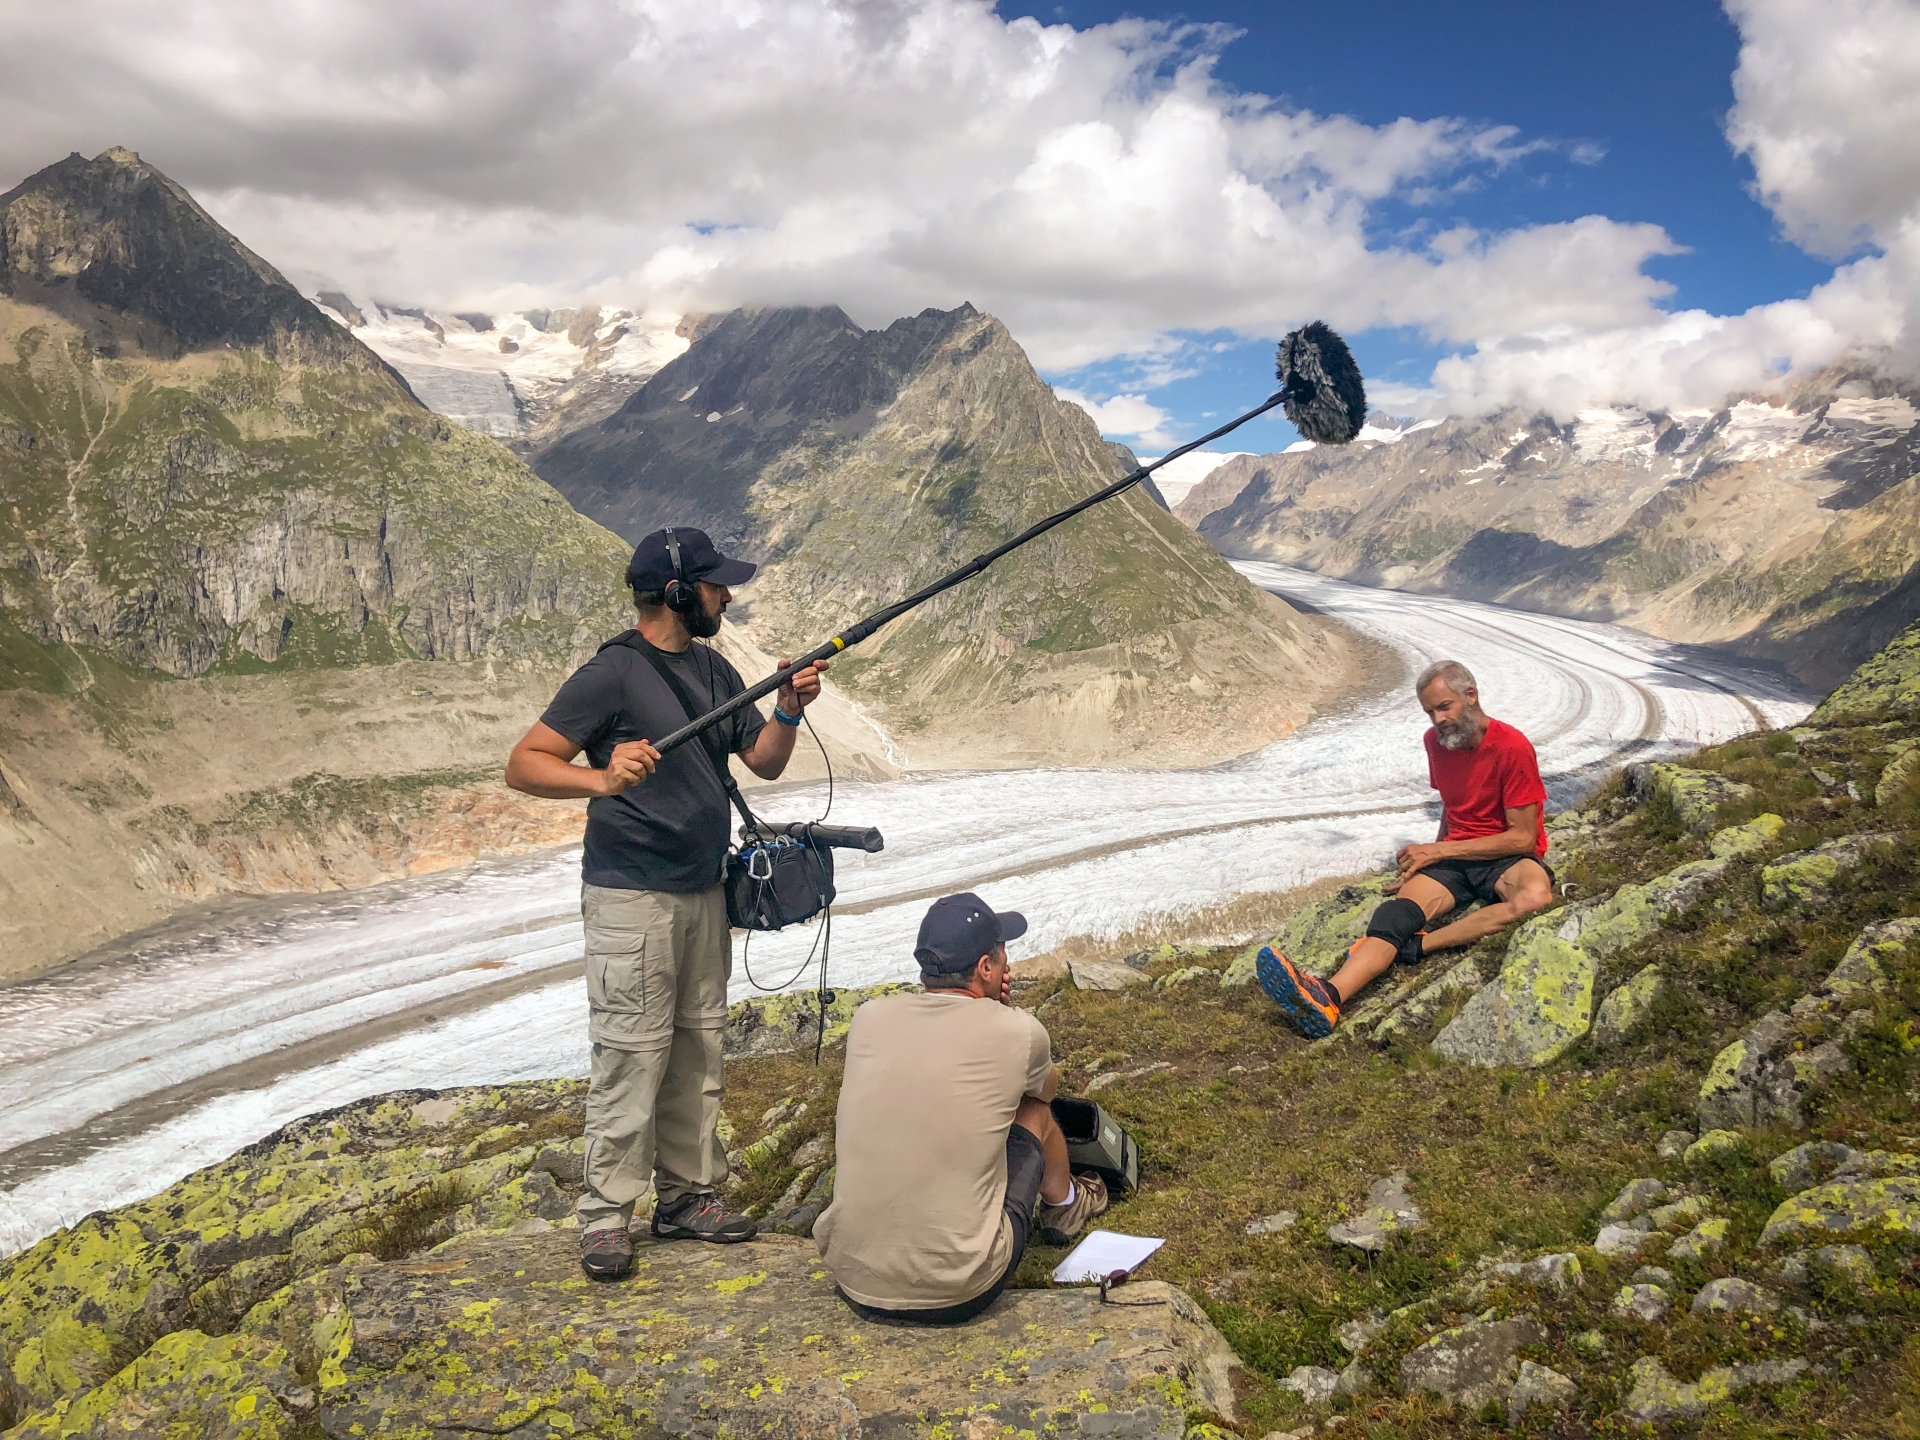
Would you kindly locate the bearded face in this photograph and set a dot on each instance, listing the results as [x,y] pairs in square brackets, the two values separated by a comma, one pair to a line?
[1460,732]
[704,623]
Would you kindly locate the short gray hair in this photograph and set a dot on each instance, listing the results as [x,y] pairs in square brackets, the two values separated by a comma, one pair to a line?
[1459,679]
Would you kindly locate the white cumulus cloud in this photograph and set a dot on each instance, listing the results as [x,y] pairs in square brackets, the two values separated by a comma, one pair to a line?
[1098,188]
[1133,415]
[1827,105]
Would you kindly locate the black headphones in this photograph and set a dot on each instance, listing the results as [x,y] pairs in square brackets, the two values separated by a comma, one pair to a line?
[682,596]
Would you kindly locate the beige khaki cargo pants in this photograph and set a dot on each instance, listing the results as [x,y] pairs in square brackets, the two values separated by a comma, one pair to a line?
[657,970]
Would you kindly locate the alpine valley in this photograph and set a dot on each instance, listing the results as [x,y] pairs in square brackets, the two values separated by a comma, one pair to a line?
[268,623]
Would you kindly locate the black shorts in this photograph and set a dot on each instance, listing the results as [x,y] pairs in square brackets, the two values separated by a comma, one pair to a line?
[1026,1167]
[1470,880]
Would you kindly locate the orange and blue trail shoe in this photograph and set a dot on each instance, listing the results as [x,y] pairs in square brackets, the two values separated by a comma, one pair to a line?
[1310,1002]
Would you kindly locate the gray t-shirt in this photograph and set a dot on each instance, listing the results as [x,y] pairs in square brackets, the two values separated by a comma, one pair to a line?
[931,1086]
[670,831]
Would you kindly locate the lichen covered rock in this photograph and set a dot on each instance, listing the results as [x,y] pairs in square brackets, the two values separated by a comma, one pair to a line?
[1731,1295]
[1696,795]
[790,1023]
[1709,1237]
[1538,1385]
[1808,877]
[410,1168]
[1756,837]
[1873,957]
[1883,1208]
[1654,1395]
[1713,1142]
[1626,1008]
[1884,687]
[1539,1004]
[1808,1164]
[1389,1211]
[1763,1079]
[1472,1364]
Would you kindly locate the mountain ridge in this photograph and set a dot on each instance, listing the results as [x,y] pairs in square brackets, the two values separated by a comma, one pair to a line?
[1783,527]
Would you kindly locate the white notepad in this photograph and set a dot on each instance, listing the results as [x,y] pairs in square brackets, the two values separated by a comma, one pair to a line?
[1102,1253]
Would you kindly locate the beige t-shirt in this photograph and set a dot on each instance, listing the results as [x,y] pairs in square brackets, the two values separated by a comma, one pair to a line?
[931,1087]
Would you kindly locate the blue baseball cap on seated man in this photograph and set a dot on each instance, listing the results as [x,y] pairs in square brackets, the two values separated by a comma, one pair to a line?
[959,929]
[652,564]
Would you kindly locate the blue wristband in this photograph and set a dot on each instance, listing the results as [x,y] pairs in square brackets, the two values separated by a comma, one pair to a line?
[784,718]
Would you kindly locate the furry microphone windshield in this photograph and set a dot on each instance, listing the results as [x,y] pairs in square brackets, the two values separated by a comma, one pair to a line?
[1320,385]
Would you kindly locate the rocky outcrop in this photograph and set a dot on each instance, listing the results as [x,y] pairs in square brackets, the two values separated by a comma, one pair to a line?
[406,1264]
[1625,1010]
[1889,1209]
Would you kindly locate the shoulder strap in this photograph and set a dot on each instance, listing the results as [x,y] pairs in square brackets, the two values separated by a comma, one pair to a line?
[709,742]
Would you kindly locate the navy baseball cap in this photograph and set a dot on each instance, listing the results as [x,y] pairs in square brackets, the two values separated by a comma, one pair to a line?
[652,564]
[959,929]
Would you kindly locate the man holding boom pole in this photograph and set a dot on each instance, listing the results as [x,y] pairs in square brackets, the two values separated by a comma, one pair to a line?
[658,949]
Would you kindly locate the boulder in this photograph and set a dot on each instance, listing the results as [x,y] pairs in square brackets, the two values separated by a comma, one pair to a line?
[1684,1211]
[498,1335]
[1539,1004]
[1734,1296]
[1646,1303]
[1654,1396]
[1876,952]
[1473,1364]
[1696,795]
[1808,1164]
[1756,837]
[1633,912]
[1538,1385]
[407,1169]
[1889,1208]
[1808,877]
[1761,1080]
[1635,1198]
[1885,686]
[1358,1333]
[1709,1237]
[1627,1007]
[1653,1275]
[1105,975]
[1620,1239]
[1390,1211]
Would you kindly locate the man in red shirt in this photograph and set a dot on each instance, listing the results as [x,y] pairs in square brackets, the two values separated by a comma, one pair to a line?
[1491,848]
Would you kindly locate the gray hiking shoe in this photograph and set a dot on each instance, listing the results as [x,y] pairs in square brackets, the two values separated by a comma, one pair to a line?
[1058,1224]
[607,1253]
[702,1217]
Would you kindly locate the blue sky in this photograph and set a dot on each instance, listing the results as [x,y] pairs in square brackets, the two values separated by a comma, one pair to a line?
[1647,85]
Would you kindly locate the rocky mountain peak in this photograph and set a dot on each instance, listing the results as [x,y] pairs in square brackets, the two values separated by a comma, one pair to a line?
[119,249]
[687,446]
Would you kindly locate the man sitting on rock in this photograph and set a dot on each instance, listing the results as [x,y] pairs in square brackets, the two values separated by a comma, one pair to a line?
[947,1152]
[1491,847]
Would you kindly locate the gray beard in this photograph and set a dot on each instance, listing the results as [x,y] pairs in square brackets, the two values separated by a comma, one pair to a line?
[1461,739]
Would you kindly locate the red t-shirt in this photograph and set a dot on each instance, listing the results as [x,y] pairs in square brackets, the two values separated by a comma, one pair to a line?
[1480,785]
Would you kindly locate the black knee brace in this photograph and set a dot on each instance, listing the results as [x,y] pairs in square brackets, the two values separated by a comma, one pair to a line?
[1398,922]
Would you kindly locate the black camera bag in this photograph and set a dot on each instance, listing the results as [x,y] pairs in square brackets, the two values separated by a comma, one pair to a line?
[772,882]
